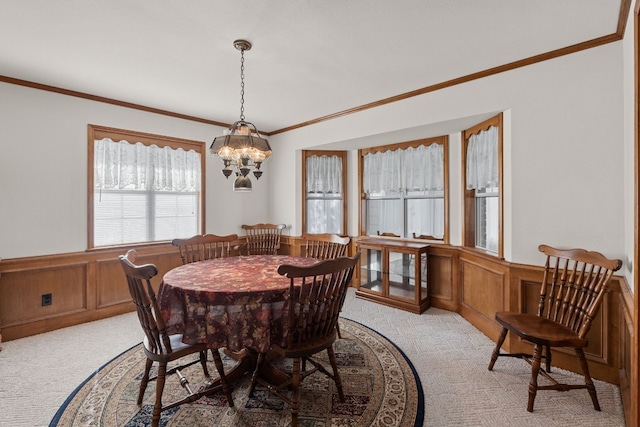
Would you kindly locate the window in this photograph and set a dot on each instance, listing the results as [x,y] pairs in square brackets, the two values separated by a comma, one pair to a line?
[483,178]
[324,192]
[143,188]
[404,189]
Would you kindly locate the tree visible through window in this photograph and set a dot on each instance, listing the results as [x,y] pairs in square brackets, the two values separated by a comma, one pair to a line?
[145,188]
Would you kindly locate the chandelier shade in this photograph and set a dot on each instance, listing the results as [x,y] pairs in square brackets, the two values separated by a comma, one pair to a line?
[242,183]
[241,147]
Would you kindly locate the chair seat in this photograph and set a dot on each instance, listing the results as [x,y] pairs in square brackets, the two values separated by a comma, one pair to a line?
[176,346]
[313,347]
[539,330]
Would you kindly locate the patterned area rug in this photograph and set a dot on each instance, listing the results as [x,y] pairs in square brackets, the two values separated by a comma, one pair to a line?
[380,385]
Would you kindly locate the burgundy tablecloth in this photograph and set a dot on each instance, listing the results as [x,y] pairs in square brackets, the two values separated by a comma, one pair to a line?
[234,302]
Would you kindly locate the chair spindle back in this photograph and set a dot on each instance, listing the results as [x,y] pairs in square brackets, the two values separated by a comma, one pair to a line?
[205,246]
[263,239]
[326,246]
[573,286]
[315,298]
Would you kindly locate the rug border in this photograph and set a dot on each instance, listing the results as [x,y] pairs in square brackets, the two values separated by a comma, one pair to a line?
[60,411]
[419,412]
[416,377]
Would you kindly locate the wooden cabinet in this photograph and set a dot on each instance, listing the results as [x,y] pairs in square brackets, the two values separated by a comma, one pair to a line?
[394,273]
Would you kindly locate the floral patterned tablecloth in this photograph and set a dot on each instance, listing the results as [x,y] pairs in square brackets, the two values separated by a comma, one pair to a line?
[234,302]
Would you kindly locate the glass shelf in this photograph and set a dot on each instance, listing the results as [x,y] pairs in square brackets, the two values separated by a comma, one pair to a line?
[394,272]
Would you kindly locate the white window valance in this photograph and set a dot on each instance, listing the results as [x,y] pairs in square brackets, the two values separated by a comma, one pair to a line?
[324,174]
[424,168]
[122,165]
[482,160]
[413,169]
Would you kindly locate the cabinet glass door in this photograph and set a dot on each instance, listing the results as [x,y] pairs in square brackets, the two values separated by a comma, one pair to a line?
[371,270]
[402,280]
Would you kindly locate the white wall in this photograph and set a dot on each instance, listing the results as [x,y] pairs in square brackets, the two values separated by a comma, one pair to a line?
[564,151]
[564,157]
[43,170]
[629,145]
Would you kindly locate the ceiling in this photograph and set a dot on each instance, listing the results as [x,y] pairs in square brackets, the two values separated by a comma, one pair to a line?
[310,59]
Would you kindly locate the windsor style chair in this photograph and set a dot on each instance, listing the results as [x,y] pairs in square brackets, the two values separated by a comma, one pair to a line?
[325,246]
[263,239]
[204,246]
[162,348]
[314,300]
[573,286]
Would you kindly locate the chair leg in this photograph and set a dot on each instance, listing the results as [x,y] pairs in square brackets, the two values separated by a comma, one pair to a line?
[295,385]
[203,362]
[535,369]
[338,330]
[336,375]
[548,359]
[223,378]
[157,407]
[496,351]
[145,380]
[587,379]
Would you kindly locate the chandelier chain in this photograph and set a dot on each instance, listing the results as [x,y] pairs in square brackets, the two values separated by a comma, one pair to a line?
[242,84]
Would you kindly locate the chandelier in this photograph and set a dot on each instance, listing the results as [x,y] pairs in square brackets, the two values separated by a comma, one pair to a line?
[241,147]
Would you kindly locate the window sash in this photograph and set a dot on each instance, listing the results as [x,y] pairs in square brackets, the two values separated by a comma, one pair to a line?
[412,176]
[324,192]
[487,227]
[405,217]
[143,192]
[130,216]
[324,215]
[482,165]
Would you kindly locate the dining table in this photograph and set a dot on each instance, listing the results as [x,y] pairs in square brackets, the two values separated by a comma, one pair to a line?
[234,303]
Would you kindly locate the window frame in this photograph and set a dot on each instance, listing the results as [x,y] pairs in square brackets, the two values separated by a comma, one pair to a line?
[339,153]
[444,140]
[469,205]
[100,132]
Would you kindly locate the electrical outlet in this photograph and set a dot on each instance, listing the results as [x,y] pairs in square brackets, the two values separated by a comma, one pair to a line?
[46,299]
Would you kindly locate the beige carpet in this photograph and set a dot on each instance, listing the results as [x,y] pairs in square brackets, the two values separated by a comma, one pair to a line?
[38,373]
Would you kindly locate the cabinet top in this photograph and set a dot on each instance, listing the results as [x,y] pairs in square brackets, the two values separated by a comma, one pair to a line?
[392,243]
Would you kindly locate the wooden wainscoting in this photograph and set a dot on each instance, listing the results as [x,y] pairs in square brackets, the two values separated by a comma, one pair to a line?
[483,289]
[625,345]
[90,285]
[488,285]
[82,287]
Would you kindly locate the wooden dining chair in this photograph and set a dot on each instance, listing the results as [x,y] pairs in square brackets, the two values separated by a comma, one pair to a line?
[204,246]
[313,303]
[573,286]
[263,239]
[325,246]
[161,347]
